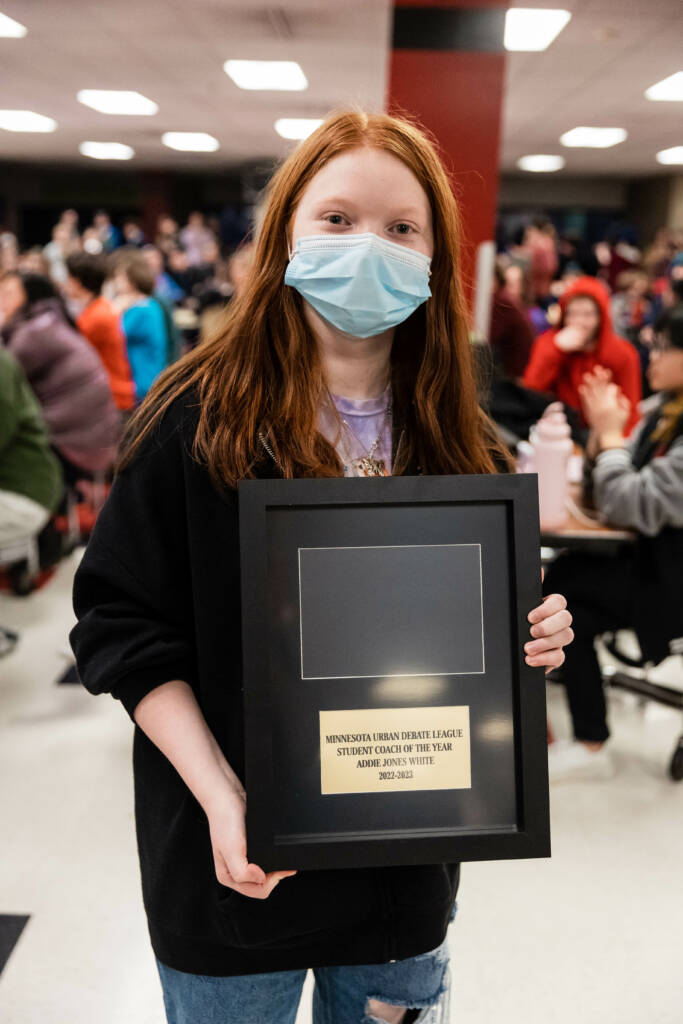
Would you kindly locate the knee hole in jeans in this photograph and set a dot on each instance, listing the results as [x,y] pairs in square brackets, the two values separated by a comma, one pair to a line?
[385,1013]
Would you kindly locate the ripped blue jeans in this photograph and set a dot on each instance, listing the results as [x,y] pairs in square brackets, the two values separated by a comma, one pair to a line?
[342,995]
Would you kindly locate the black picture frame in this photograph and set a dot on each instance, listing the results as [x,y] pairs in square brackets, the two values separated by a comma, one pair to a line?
[275,515]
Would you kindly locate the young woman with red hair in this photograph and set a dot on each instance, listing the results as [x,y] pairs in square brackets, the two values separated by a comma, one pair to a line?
[346,353]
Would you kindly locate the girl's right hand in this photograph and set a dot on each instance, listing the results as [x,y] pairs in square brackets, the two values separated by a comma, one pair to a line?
[226,813]
[570,339]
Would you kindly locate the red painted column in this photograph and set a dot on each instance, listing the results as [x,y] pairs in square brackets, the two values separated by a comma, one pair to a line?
[457,94]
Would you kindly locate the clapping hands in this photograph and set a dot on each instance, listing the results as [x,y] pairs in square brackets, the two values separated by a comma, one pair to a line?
[604,405]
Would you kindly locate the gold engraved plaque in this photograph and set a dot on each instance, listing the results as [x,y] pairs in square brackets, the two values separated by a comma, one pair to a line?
[395,749]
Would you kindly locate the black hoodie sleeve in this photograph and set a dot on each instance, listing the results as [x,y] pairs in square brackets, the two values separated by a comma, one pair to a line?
[131,590]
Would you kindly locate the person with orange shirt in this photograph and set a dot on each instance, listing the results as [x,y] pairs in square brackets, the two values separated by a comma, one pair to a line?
[100,323]
[583,340]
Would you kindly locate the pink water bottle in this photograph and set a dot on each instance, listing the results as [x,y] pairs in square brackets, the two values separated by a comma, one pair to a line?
[552,445]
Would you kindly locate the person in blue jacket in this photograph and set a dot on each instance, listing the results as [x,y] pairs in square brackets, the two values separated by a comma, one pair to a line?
[143,320]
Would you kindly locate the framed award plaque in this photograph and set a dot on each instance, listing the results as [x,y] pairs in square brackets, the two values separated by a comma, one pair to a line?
[390,717]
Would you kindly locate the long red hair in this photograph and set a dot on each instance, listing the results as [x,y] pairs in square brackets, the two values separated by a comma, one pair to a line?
[261,373]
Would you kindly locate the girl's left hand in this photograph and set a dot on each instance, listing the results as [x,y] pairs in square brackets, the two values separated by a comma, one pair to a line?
[551,631]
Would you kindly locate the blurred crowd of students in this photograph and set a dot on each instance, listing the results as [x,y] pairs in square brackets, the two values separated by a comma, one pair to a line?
[561,307]
[600,329]
[87,324]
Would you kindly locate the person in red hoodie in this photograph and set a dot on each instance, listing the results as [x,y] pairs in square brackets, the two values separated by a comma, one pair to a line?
[584,339]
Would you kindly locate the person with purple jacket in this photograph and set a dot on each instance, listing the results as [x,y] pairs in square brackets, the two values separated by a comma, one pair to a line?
[64,371]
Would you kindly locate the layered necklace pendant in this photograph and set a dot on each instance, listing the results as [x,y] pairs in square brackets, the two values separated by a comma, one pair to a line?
[367,466]
[364,462]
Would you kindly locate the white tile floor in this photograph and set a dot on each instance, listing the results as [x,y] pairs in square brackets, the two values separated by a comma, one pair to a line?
[591,936]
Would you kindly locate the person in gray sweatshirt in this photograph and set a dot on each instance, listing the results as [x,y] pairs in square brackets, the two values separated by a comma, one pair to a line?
[637,484]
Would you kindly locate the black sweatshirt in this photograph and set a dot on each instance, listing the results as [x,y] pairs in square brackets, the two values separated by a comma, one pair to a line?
[157,596]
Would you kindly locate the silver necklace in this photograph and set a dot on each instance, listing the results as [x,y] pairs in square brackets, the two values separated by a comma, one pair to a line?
[366,464]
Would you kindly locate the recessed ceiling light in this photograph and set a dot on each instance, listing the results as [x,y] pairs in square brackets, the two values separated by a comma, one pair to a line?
[538,162]
[11,29]
[266,74]
[191,142]
[117,101]
[671,156]
[106,150]
[670,88]
[297,127]
[26,121]
[530,28]
[593,138]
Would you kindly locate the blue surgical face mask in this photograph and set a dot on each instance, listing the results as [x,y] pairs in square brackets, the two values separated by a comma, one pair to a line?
[361,284]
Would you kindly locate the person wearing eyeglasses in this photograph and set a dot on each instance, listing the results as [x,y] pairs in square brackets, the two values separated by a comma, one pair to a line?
[636,484]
